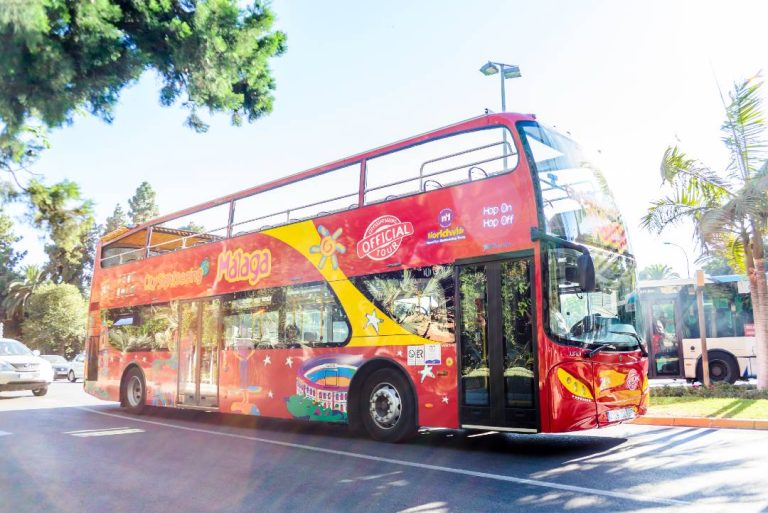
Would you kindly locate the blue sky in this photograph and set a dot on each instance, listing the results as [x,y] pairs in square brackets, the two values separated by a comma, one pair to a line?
[625,78]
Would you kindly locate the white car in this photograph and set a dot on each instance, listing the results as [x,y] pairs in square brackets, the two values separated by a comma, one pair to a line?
[76,368]
[22,369]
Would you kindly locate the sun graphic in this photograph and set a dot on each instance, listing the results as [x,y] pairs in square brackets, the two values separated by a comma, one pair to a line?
[328,247]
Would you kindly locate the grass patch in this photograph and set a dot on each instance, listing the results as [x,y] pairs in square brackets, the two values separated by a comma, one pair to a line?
[721,408]
[722,390]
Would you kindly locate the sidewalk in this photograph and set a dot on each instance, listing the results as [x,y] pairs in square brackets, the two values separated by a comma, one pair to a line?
[703,422]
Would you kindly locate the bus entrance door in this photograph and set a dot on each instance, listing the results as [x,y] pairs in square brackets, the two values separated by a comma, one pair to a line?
[497,345]
[665,344]
[198,348]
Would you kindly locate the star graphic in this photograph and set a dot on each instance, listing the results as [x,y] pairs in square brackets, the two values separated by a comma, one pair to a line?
[400,354]
[289,362]
[445,399]
[271,395]
[373,321]
[426,372]
[267,360]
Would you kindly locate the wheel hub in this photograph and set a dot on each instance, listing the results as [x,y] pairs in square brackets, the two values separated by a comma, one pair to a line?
[135,391]
[385,406]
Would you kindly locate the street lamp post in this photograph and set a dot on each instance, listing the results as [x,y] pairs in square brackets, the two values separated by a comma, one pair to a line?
[687,263]
[505,71]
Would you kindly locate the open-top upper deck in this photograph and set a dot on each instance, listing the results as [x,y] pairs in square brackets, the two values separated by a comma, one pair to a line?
[471,150]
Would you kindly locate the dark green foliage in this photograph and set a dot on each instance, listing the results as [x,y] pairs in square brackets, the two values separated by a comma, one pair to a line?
[724,390]
[61,56]
[717,266]
[69,223]
[142,206]
[55,319]
[9,257]
[116,220]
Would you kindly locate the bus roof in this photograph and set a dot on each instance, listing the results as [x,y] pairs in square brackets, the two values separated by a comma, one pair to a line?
[489,118]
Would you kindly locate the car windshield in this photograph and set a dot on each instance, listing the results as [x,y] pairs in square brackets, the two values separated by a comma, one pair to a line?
[13,348]
[603,317]
[54,358]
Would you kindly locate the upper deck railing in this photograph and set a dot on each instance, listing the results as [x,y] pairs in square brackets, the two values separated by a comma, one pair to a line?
[469,151]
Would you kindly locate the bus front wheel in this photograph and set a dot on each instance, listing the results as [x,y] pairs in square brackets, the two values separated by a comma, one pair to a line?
[387,408]
[134,391]
[723,367]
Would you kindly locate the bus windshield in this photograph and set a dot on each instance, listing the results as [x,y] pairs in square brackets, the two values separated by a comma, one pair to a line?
[605,316]
[577,204]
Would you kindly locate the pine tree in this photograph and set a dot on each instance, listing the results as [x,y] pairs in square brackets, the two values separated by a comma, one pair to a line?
[116,220]
[68,222]
[142,205]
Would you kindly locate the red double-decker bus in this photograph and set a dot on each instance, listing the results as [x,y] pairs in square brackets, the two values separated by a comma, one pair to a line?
[477,276]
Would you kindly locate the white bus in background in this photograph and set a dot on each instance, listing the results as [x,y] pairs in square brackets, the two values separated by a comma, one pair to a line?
[668,317]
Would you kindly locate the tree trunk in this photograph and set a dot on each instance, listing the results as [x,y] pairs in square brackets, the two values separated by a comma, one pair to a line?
[760,308]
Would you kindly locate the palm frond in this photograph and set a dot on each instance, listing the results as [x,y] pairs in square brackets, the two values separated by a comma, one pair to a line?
[678,169]
[744,129]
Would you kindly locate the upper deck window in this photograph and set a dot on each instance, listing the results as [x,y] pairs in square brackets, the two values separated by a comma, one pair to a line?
[124,250]
[440,162]
[316,196]
[448,160]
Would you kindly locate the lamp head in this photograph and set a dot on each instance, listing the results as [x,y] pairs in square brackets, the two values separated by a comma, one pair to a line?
[511,71]
[489,68]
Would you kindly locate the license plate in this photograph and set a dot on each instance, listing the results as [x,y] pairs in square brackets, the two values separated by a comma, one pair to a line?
[622,414]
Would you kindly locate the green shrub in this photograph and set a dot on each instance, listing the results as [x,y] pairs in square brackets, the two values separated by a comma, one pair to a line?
[722,390]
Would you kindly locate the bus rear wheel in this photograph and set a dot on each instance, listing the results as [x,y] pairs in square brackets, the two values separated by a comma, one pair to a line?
[723,368]
[388,408]
[134,391]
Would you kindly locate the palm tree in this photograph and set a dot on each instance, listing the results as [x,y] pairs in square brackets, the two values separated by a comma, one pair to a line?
[19,291]
[658,272]
[729,209]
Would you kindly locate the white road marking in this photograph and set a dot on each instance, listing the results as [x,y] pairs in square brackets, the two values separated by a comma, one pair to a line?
[93,430]
[5,433]
[104,432]
[413,464]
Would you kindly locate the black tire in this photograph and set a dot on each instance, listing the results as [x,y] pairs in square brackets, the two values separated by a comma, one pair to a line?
[723,367]
[71,376]
[40,392]
[133,393]
[387,406]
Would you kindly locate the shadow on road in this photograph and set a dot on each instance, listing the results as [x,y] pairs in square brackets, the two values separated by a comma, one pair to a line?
[570,445]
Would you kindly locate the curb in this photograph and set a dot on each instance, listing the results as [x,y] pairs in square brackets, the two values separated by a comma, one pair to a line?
[702,422]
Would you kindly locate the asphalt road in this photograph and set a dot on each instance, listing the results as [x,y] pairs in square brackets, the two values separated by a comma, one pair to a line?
[70,452]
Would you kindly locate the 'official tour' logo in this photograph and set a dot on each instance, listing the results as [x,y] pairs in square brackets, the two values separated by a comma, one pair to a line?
[383,237]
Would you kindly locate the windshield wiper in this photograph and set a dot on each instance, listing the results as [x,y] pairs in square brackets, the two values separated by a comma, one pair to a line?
[637,339]
[599,348]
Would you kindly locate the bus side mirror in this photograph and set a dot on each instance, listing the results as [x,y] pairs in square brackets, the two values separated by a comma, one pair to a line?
[585,271]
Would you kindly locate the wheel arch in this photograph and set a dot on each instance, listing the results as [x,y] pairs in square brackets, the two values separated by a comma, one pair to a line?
[356,385]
